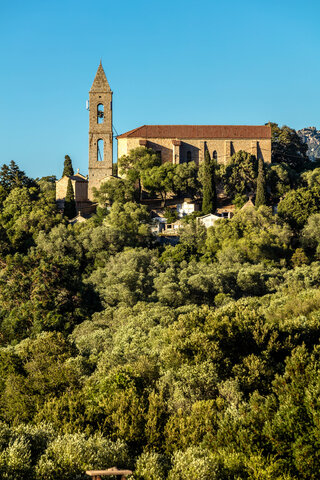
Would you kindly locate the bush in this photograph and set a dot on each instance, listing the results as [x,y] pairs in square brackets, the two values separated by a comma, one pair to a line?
[69,456]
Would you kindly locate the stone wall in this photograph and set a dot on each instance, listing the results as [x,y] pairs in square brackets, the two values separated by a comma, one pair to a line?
[224,148]
[80,190]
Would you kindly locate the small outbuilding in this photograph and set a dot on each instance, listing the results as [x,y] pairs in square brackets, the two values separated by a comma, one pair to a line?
[80,189]
[187,207]
[208,220]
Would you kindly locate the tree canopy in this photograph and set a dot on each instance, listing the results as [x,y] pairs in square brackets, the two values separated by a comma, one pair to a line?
[67,167]
[196,360]
[208,181]
[288,148]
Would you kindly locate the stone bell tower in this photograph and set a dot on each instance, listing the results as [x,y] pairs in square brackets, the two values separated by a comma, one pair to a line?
[100,131]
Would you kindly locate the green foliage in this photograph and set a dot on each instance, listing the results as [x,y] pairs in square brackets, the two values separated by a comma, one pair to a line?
[298,205]
[127,277]
[114,190]
[170,214]
[288,148]
[67,167]
[128,224]
[25,213]
[311,178]
[261,186]
[279,180]
[134,165]
[311,235]
[185,181]
[48,187]
[160,179]
[151,466]
[199,360]
[70,210]
[207,179]
[240,174]
[250,236]
[39,294]
[195,462]
[12,177]
[168,178]
[69,456]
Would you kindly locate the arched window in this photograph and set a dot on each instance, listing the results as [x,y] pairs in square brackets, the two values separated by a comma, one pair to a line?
[100,113]
[100,146]
[189,156]
[214,155]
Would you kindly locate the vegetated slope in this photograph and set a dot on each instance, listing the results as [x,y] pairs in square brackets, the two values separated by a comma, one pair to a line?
[194,361]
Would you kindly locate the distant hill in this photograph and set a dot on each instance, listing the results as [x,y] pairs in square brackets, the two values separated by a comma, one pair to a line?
[311,136]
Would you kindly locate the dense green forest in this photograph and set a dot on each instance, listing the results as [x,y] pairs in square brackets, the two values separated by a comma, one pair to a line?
[191,362]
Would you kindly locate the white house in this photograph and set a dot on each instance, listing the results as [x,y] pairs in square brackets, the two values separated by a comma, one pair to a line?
[208,220]
[187,207]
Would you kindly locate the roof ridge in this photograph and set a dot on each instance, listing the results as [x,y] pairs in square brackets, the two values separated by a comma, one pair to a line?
[199,131]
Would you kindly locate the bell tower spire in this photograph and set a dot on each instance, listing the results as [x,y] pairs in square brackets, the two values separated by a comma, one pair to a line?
[100,130]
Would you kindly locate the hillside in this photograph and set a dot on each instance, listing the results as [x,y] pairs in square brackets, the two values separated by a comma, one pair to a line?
[194,361]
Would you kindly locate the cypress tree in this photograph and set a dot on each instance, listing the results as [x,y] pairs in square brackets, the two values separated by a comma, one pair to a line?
[67,167]
[70,210]
[209,202]
[261,186]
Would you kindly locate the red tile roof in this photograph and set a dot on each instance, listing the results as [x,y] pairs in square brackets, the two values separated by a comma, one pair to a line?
[199,131]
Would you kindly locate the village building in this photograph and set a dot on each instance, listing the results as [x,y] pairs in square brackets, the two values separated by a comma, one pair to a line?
[173,143]
[80,190]
[208,220]
[186,143]
[187,207]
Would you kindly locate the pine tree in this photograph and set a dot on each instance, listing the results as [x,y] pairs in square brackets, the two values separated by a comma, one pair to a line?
[67,167]
[207,178]
[11,177]
[261,186]
[70,210]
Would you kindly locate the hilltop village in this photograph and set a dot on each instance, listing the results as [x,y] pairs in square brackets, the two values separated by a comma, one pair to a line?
[167,168]
[180,172]
[162,315]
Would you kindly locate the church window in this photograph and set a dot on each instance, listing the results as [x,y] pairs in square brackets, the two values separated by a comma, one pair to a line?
[189,156]
[100,146]
[214,155]
[100,113]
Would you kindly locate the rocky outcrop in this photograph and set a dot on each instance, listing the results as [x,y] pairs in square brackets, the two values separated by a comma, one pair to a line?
[311,136]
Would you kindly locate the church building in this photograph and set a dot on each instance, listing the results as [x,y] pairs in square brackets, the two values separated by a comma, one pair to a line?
[186,143]
[174,143]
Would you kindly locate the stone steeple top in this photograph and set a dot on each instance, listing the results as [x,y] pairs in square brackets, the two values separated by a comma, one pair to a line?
[100,83]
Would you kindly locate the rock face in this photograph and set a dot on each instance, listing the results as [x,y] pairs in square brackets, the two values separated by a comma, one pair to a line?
[311,136]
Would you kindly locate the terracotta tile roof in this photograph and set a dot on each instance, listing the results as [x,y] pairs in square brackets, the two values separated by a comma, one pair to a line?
[199,131]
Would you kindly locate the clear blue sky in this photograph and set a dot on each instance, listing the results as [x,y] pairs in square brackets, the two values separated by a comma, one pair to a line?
[167,62]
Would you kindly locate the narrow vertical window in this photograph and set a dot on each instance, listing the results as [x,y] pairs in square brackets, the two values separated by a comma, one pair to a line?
[100,146]
[100,113]
[214,155]
[189,156]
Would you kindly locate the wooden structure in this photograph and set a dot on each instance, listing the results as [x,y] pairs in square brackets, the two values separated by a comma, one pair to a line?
[111,472]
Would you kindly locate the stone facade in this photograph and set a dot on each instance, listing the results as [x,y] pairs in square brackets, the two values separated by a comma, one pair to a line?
[184,143]
[80,189]
[100,131]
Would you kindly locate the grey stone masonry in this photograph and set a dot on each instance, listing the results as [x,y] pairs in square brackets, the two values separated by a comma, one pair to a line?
[100,131]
